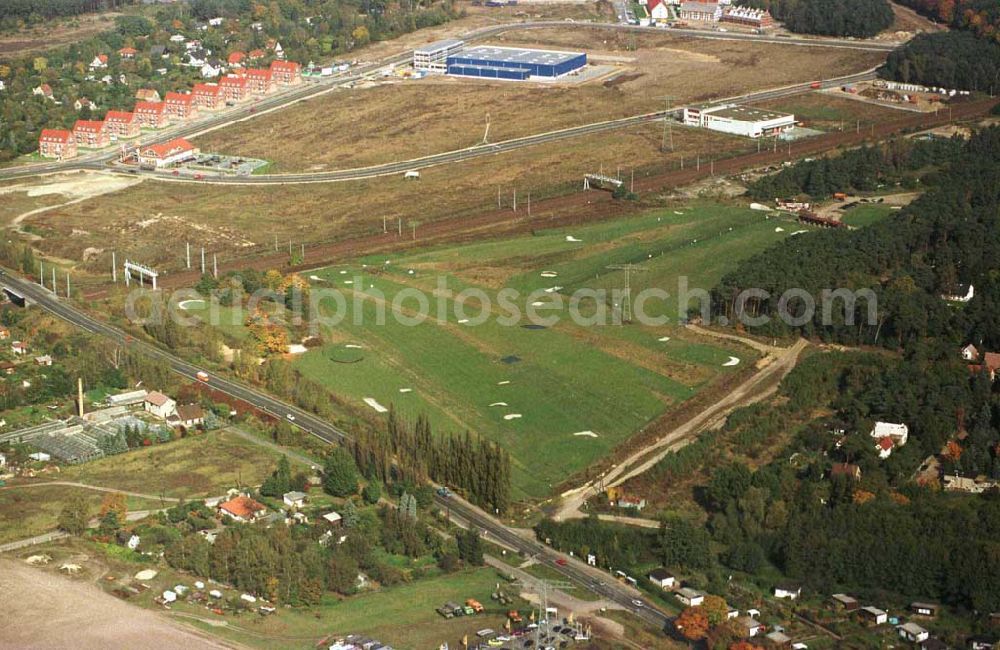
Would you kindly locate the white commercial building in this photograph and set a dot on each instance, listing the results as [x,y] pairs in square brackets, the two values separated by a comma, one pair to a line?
[433,57]
[739,120]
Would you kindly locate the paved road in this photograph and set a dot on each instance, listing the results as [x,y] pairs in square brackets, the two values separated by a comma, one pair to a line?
[314,88]
[573,569]
[460,155]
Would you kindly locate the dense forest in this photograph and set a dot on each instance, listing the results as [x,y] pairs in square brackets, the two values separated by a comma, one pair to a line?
[13,12]
[981,17]
[947,59]
[882,530]
[947,237]
[857,18]
[881,536]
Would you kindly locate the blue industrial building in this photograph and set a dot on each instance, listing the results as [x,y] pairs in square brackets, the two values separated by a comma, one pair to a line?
[513,63]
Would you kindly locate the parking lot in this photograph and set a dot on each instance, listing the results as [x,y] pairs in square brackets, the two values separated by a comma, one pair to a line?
[229,165]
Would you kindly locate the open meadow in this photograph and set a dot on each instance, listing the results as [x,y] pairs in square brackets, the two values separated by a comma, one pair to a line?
[397,120]
[570,391]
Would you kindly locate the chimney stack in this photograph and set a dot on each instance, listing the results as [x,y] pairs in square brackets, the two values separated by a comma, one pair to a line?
[79,396]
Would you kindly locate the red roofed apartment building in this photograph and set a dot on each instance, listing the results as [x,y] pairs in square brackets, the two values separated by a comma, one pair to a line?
[234,89]
[242,508]
[285,73]
[91,133]
[259,81]
[57,143]
[208,96]
[180,106]
[121,124]
[168,153]
[151,115]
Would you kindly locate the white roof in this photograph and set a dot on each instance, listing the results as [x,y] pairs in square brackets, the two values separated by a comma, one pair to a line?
[332,517]
[883,429]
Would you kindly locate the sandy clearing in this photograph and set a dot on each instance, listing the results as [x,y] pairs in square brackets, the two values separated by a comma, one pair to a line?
[44,610]
[370,401]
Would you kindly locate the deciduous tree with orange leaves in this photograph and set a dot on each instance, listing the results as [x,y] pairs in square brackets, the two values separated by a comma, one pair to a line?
[692,623]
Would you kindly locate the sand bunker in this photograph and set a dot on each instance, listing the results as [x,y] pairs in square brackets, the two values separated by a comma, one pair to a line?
[406,390]
[779,229]
[553,289]
[145,574]
[503,383]
[194,303]
[663,339]
[537,303]
[296,348]
[512,416]
[499,404]
[353,346]
[586,434]
[549,274]
[571,238]
[733,361]
[370,401]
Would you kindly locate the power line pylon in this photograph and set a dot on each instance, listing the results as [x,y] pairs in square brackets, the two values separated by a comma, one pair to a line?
[629,269]
[668,124]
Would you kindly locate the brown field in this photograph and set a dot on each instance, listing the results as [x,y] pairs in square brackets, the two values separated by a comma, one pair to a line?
[408,119]
[47,610]
[828,111]
[151,221]
[54,34]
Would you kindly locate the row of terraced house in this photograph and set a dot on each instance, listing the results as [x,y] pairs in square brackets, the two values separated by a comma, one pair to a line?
[152,113]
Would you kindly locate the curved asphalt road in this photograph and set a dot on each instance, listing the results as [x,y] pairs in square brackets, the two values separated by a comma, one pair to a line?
[571,568]
[99,161]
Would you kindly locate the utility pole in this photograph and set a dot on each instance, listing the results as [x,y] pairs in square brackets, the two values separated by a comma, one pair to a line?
[668,127]
[629,269]
[187,254]
[486,134]
[55,289]
[275,242]
[529,204]
[215,266]
[631,187]
[303,251]
[114,268]
[41,273]
[67,284]
[400,226]
[202,260]
[384,226]
[498,197]
[515,199]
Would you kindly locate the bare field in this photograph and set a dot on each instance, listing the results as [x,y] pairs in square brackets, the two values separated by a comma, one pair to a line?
[55,33]
[152,220]
[46,610]
[408,119]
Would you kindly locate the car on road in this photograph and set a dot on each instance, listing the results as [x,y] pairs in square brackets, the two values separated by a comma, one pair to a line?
[561,561]
[638,603]
[444,492]
[290,417]
[202,376]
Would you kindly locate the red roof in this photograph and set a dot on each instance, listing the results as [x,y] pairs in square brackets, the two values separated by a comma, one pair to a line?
[46,89]
[149,107]
[55,135]
[103,58]
[119,116]
[242,506]
[256,54]
[293,67]
[653,4]
[233,81]
[885,443]
[127,50]
[89,126]
[992,360]
[236,57]
[177,145]
[262,73]
[205,89]
[177,98]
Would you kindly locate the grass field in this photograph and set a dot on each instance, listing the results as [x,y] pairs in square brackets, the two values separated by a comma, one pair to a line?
[867,214]
[565,379]
[408,119]
[30,511]
[830,111]
[402,616]
[194,467]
